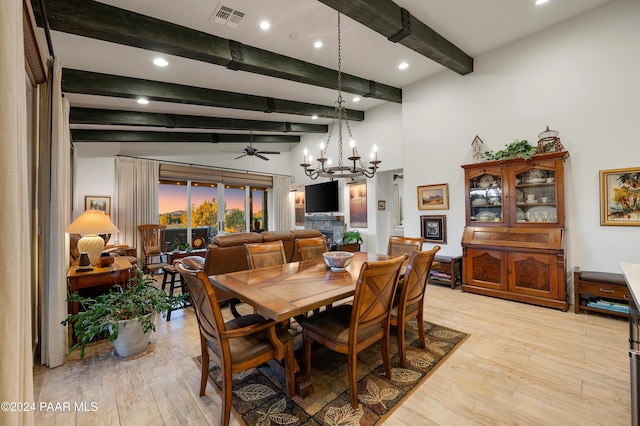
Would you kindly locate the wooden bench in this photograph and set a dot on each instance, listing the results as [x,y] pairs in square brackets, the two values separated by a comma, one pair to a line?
[601,285]
[449,265]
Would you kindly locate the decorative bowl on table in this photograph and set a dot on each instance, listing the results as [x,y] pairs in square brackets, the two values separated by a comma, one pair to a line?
[337,260]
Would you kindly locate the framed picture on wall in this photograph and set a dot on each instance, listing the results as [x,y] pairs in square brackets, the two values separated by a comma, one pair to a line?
[358,205]
[382,204]
[433,197]
[433,228]
[299,207]
[96,202]
[620,197]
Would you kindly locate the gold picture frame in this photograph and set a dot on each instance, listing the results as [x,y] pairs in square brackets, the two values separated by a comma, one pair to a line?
[620,197]
[433,197]
[96,202]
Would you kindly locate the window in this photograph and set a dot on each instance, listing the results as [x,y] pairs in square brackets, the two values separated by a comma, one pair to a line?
[205,202]
[204,209]
[172,203]
[235,220]
[258,203]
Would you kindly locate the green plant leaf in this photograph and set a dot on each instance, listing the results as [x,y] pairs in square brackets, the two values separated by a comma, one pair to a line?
[134,300]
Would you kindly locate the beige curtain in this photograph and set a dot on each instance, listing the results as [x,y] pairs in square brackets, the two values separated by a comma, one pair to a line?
[281,207]
[57,217]
[16,358]
[136,197]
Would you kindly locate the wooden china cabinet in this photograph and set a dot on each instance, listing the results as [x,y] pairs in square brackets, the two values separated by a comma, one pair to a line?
[514,241]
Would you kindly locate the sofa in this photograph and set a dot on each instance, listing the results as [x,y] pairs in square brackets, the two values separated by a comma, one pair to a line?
[226,253]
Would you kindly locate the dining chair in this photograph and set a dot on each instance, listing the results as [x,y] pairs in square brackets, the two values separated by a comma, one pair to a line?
[151,238]
[348,329]
[409,301]
[236,345]
[311,248]
[403,245]
[261,255]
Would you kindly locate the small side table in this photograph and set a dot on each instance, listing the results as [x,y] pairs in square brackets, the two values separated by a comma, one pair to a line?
[448,270]
[119,272]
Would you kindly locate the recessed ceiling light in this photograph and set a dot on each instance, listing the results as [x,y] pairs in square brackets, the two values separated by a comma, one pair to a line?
[161,62]
[539,2]
[143,101]
[317,44]
[265,25]
[314,117]
[403,66]
[356,99]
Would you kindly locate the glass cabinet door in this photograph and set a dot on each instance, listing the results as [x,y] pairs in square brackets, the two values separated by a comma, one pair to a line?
[485,198]
[536,196]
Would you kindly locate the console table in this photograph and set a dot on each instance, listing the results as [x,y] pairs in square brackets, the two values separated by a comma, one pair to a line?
[118,272]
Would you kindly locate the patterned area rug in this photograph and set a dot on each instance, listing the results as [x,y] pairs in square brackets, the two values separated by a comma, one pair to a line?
[259,397]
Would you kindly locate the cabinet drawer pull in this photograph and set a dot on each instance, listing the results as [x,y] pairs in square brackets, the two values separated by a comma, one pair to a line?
[602,290]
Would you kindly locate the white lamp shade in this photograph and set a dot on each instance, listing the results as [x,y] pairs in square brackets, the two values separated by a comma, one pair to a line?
[90,224]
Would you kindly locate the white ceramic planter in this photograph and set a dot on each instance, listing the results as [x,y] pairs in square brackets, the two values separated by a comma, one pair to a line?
[131,339]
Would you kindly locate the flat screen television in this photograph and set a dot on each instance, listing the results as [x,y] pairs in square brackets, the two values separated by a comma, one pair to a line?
[322,197]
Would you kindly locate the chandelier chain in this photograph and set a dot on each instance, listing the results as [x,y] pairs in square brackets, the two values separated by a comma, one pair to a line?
[340,114]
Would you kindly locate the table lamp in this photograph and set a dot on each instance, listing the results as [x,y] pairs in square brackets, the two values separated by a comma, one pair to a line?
[90,224]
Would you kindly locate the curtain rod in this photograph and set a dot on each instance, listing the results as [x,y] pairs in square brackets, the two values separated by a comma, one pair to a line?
[47,29]
[203,165]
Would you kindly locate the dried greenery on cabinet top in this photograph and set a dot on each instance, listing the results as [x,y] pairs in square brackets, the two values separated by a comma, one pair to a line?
[518,149]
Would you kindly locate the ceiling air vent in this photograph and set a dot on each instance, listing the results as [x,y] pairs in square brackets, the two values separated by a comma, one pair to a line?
[226,15]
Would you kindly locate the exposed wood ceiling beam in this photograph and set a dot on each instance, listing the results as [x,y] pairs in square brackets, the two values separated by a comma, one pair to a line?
[100,21]
[79,135]
[92,83]
[174,121]
[399,26]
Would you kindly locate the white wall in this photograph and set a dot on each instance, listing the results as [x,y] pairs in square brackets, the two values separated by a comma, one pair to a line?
[94,176]
[580,78]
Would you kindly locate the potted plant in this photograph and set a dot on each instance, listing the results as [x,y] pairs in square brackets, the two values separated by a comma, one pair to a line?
[352,237]
[126,313]
[178,246]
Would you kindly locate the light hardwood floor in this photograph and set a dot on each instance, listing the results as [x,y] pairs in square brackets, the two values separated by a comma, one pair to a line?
[521,365]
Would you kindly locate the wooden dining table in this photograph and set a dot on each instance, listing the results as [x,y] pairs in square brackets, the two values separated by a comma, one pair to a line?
[285,291]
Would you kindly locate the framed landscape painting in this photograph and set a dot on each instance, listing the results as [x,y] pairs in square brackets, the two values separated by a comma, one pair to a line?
[433,197]
[93,202]
[433,229]
[620,197]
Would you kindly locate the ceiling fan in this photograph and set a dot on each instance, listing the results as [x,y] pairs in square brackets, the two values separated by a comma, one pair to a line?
[251,151]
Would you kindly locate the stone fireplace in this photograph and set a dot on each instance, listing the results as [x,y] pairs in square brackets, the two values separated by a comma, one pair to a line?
[329,225]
